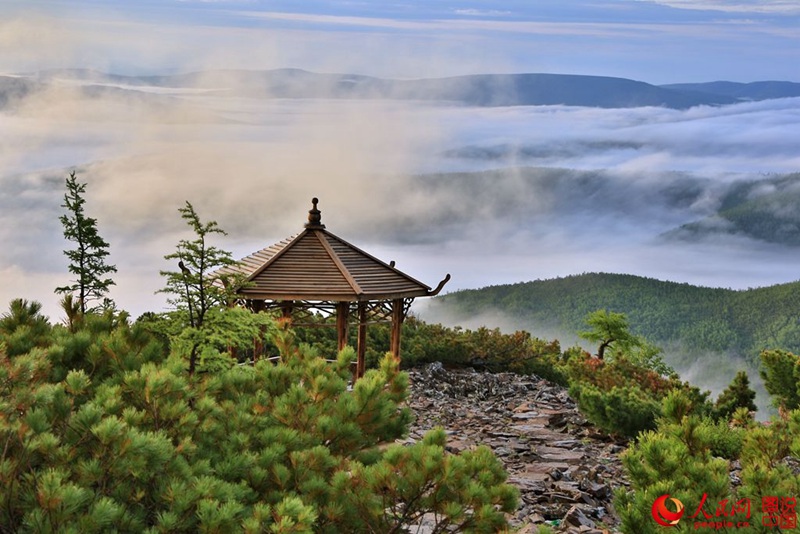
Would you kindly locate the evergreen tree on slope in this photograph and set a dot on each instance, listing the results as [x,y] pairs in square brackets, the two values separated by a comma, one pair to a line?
[88,258]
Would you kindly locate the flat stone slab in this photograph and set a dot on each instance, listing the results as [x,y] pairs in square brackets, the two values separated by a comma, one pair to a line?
[540,433]
[559,455]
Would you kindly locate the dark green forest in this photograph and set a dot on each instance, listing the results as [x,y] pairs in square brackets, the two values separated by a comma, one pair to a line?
[761,209]
[670,314]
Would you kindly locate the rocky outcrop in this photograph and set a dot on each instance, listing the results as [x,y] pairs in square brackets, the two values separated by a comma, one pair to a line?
[565,469]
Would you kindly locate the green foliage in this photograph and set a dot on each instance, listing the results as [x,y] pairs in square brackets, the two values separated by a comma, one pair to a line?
[104,433]
[742,418]
[106,346]
[88,258]
[226,334]
[648,356]
[676,460]
[483,348]
[737,395]
[677,405]
[202,287]
[196,288]
[687,457]
[623,394]
[72,312]
[24,327]
[781,373]
[763,451]
[624,411]
[726,441]
[611,330]
[468,491]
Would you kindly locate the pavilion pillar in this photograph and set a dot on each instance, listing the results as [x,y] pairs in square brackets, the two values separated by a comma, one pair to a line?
[342,318]
[362,339]
[397,326]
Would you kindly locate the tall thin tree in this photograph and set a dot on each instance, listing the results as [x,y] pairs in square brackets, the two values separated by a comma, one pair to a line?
[202,283]
[88,258]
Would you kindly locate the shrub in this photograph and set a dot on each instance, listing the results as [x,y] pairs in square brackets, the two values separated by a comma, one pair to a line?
[127,441]
[623,410]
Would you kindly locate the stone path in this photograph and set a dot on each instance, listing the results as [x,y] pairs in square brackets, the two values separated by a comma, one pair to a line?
[565,469]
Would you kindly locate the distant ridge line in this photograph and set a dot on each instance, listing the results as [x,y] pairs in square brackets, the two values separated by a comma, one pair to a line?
[485,90]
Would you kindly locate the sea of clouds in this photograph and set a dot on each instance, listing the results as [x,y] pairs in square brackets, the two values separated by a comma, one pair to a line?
[561,190]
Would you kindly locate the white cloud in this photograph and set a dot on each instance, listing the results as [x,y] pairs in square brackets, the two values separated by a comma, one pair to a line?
[341,20]
[775,7]
[481,12]
[564,28]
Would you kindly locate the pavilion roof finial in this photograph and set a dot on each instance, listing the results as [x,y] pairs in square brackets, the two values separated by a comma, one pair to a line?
[314,215]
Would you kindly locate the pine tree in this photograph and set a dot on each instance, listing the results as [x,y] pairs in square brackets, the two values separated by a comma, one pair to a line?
[764,471]
[200,287]
[622,410]
[104,433]
[88,258]
[676,460]
[24,327]
[737,395]
[780,370]
[194,286]
[611,330]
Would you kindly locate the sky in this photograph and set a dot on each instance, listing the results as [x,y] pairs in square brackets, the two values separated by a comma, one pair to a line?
[657,41]
[600,200]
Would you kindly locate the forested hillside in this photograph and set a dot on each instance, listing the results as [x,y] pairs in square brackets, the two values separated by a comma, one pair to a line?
[759,209]
[697,318]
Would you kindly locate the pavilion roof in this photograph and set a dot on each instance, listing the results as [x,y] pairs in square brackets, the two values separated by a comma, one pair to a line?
[317,265]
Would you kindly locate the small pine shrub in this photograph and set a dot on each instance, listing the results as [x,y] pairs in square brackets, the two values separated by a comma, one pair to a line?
[624,411]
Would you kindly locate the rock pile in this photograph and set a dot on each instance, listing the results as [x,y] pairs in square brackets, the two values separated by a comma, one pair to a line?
[565,469]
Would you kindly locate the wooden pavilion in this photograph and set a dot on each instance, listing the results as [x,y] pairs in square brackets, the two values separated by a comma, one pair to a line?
[317,273]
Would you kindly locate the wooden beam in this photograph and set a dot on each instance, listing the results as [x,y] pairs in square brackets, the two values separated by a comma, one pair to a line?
[339,265]
[342,313]
[397,326]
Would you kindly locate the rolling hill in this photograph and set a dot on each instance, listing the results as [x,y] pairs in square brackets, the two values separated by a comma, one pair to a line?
[527,89]
[765,210]
[741,322]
